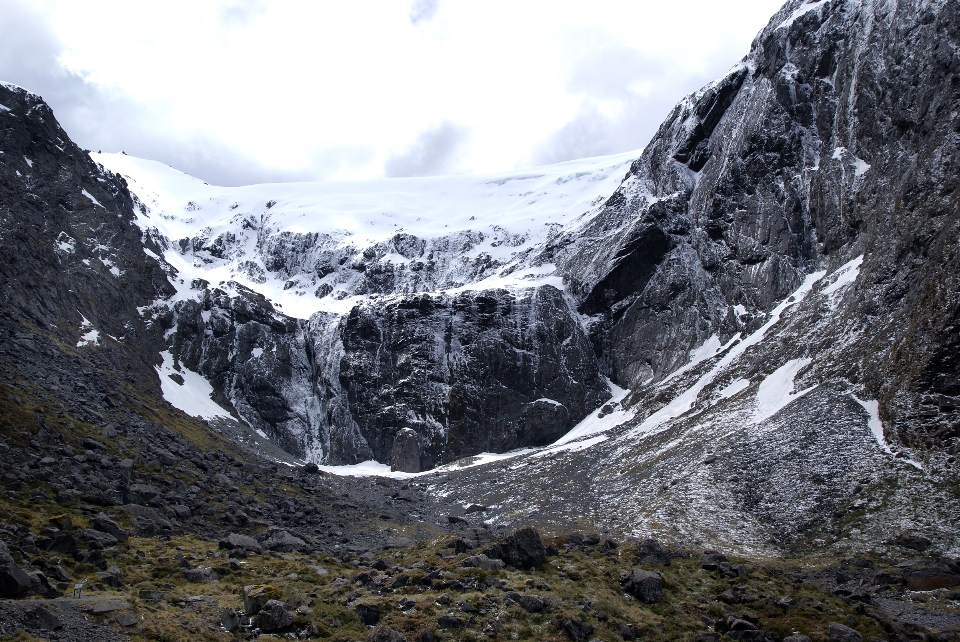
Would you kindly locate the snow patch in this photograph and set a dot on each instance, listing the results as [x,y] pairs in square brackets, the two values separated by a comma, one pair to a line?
[734,388]
[709,348]
[4,108]
[683,402]
[876,426]
[777,390]
[92,199]
[593,423]
[91,336]
[805,8]
[66,243]
[842,277]
[193,396]
[257,353]
[29,162]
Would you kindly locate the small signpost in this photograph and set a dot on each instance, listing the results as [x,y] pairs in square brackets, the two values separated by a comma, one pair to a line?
[77,589]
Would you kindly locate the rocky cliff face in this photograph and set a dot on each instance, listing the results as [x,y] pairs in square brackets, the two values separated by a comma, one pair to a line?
[835,137]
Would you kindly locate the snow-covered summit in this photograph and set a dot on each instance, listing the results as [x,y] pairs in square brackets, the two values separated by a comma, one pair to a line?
[325,246]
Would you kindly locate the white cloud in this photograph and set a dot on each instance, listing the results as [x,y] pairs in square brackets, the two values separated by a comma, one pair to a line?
[245,90]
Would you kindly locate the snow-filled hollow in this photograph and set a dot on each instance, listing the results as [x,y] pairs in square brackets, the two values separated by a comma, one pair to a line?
[193,396]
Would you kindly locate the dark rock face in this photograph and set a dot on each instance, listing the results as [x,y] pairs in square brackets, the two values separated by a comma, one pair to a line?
[406,451]
[415,383]
[832,139]
[482,371]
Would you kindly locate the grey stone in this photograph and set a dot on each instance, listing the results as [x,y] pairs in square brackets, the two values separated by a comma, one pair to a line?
[645,585]
[103,523]
[229,619]
[840,633]
[483,562]
[199,575]
[522,549]
[235,540]
[274,616]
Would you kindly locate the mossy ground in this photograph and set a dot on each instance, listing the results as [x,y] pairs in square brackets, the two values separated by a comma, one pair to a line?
[574,584]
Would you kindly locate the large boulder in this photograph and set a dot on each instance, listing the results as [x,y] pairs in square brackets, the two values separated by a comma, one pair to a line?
[274,616]
[482,562]
[369,614]
[645,585]
[522,549]
[285,542]
[256,595]
[89,538]
[245,542]
[841,633]
[104,524]
[13,580]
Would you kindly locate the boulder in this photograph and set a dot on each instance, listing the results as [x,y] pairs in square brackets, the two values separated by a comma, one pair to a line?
[235,540]
[13,580]
[523,549]
[106,525]
[577,630]
[405,455]
[256,595]
[311,468]
[649,551]
[711,560]
[529,603]
[841,633]
[64,543]
[285,542]
[44,619]
[913,541]
[385,634]
[796,638]
[929,579]
[229,619]
[198,575]
[274,616]
[470,539]
[482,562]
[645,585]
[369,614]
[89,538]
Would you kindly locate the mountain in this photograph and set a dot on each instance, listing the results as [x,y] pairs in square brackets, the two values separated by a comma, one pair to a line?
[349,404]
[744,334]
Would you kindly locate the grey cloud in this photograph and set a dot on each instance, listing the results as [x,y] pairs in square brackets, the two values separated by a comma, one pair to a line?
[435,152]
[423,10]
[241,12]
[101,120]
[645,90]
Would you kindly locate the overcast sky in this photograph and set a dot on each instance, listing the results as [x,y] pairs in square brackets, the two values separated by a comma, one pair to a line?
[243,91]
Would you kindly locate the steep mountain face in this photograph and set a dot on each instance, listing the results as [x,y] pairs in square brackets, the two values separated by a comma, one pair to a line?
[836,137]
[336,318]
[74,266]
